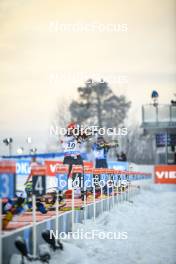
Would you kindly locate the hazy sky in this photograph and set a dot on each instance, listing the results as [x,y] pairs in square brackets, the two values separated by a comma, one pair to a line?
[32,51]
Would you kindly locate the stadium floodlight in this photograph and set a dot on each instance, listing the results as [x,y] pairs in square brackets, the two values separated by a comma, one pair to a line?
[8,142]
[20,150]
[33,151]
[154,97]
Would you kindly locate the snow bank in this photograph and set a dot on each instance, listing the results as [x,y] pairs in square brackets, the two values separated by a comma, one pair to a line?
[150,222]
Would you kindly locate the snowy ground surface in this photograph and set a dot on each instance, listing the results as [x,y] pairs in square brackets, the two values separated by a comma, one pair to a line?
[151,225]
[150,222]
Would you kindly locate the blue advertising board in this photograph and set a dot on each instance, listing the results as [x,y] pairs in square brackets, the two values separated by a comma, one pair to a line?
[23,167]
[118,165]
[7,185]
[88,180]
[62,181]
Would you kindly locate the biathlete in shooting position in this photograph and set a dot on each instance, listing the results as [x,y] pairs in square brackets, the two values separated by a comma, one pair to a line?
[100,151]
[71,144]
[13,207]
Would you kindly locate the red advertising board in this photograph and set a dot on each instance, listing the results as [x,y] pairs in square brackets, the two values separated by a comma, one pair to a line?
[88,164]
[51,166]
[165,174]
[7,166]
[38,170]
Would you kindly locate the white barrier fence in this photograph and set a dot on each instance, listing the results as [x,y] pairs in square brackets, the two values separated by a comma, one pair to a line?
[65,221]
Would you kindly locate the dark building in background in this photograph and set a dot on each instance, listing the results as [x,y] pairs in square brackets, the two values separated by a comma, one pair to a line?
[160,121]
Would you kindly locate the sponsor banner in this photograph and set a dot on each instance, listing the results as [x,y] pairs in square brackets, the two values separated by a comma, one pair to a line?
[118,165]
[88,164]
[23,167]
[51,166]
[23,170]
[165,174]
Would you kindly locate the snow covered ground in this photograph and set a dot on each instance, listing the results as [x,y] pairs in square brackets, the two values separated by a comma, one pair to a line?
[151,226]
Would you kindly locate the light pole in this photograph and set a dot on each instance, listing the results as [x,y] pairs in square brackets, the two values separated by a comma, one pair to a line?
[8,142]
[29,141]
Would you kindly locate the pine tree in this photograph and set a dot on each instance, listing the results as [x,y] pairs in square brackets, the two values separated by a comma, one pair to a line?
[98,105]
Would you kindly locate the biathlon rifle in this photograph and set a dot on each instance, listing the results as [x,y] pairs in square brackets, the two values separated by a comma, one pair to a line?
[86,133]
[109,145]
